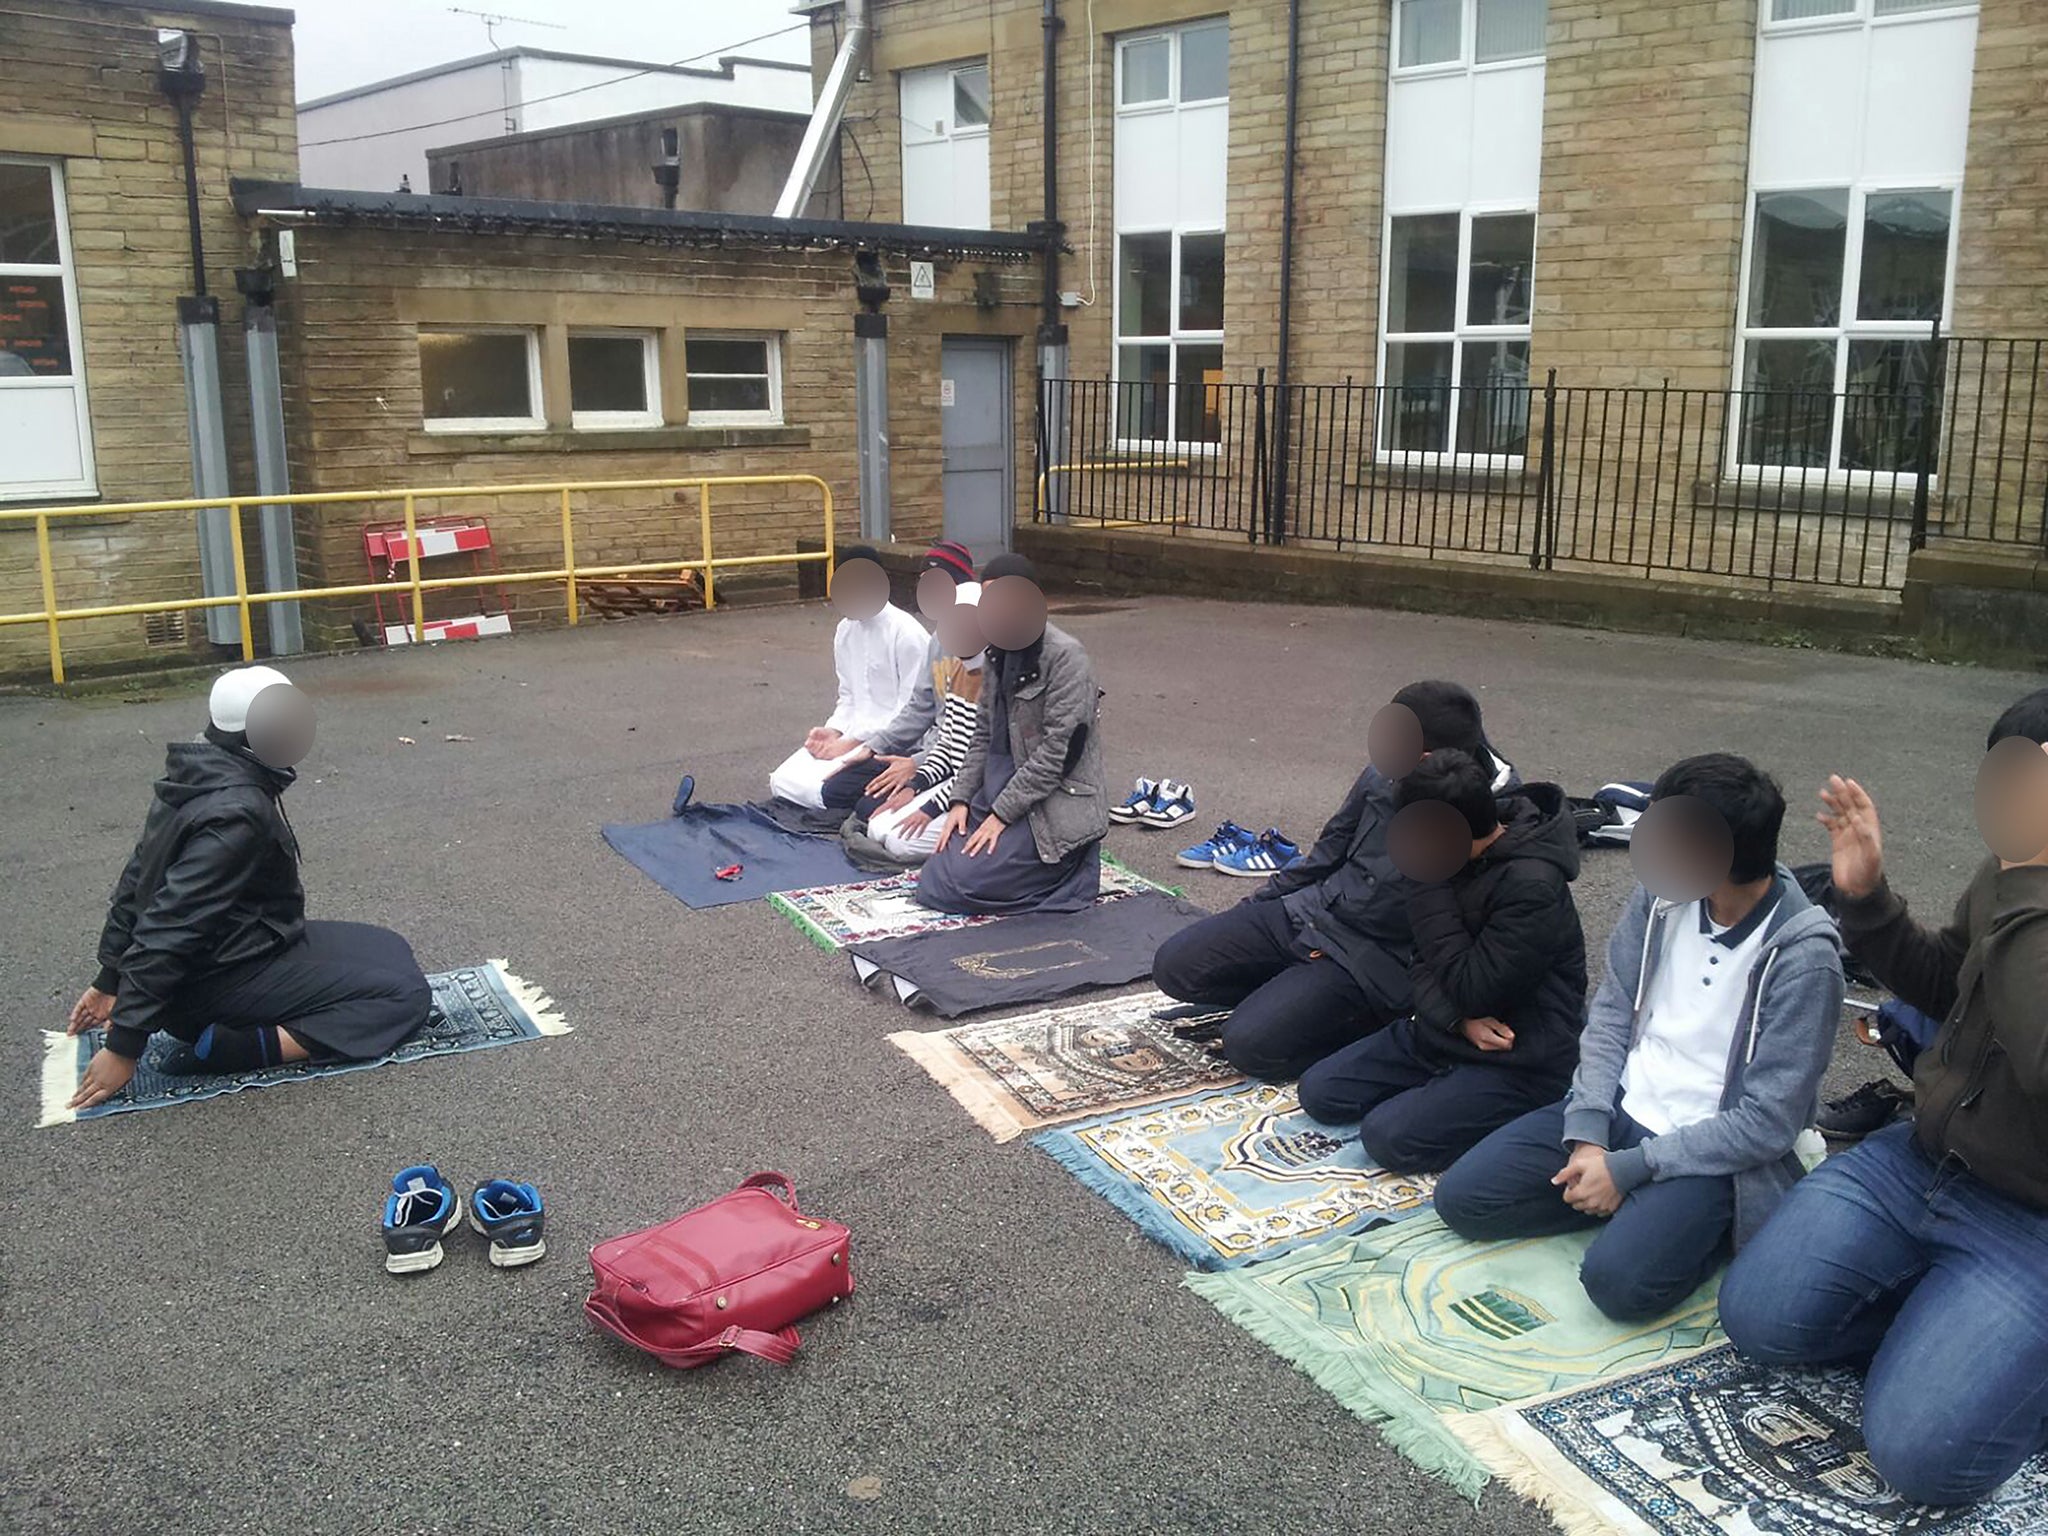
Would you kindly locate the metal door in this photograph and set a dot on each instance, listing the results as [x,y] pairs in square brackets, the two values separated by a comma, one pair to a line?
[976,455]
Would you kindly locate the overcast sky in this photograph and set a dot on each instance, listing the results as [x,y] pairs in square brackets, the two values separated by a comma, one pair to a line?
[346,43]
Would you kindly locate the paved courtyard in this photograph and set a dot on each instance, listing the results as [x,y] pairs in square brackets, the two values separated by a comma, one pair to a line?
[199,1336]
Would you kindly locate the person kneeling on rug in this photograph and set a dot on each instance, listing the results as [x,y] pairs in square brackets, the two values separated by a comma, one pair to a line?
[206,938]
[1032,784]
[1921,1253]
[878,653]
[907,801]
[1699,1066]
[1499,974]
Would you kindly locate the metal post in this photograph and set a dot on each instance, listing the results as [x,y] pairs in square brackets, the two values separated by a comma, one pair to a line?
[1052,419]
[1924,470]
[49,596]
[569,552]
[1543,554]
[704,530]
[871,421]
[273,471]
[199,351]
[412,549]
[245,631]
[1261,507]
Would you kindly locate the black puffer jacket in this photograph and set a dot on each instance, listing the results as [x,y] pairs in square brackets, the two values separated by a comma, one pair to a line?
[1501,939]
[213,882]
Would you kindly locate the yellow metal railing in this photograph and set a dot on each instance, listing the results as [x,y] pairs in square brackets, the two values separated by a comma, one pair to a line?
[416,586]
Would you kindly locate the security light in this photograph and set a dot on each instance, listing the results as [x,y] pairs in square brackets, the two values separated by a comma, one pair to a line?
[180,72]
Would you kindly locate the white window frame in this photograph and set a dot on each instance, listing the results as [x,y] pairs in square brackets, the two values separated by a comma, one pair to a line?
[1850,329]
[537,422]
[1861,13]
[772,417]
[1467,61]
[66,272]
[1175,337]
[1462,331]
[955,129]
[650,365]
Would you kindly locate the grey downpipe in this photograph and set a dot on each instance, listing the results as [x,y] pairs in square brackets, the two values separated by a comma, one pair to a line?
[1283,416]
[824,123]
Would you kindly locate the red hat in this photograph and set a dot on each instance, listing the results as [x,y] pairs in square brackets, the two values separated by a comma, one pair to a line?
[954,559]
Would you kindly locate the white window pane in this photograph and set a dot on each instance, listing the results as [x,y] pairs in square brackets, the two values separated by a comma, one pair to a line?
[1416,400]
[1198,395]
[33,336]
[709,354]
[1795,259]
[1803,10]
[1144,391]
[608,373]
[28,215]
[475,376]
[1145,285]
[1201,282]
[1148,67]
[712,396]
[970,98]
[1204,63]
[1429,31]
[1788,408]
[1509,29]
[1422,274]
[1905,7]
[1497,284]
[1905,256]
[1493,398]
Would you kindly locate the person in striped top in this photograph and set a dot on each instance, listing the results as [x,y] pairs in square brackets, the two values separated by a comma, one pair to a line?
[906,800]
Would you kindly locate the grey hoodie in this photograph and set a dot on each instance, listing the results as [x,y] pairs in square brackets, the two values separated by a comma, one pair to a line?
[1790,1013]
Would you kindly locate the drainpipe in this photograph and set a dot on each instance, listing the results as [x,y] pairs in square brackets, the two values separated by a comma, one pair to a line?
[1283,415]
[850,63]
[258,286]
[1052,326]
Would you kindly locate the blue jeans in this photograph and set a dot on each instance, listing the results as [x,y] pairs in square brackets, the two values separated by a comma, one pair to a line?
[1936,1280]
[1651,1254]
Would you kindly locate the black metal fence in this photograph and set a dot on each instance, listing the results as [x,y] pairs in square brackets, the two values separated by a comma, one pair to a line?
[1775,485]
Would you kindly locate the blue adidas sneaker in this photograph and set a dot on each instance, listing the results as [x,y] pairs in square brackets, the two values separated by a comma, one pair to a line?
[1172,805]
[420,1211]
[1257,857]
[1206,855]
[1134,809]
[510,1215]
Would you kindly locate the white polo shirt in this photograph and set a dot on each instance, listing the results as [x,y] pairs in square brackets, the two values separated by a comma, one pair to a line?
[1678,1068]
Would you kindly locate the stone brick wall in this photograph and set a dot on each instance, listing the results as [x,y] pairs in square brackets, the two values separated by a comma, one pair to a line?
[78,83]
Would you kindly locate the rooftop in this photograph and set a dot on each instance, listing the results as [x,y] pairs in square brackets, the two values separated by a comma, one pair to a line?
[723,70]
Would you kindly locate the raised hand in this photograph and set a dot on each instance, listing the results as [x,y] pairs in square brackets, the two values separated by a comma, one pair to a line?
[1850,816]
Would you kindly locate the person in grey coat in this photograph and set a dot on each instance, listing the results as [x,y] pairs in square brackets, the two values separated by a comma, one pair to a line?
[1699,1068]
[1031,800]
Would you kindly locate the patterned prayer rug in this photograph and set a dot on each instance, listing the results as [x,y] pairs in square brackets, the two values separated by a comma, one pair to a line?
[1036,1069]
[475,1008]
[1410,1326]
[1717,1445]
[833,916]
[1229,1178]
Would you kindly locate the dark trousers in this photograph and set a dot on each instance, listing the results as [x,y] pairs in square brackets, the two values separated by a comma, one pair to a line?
[1652,1253]
[1291,1008]
[1418,1113]
[344,989]
[846,788]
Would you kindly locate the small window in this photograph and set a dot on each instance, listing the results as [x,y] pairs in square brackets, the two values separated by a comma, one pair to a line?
[614,380]
[1205,63]
[1459,301]
[45,427]
[970,98]
[1509,29]
[480,380]
[1147,68]
[1434,33]
[1852,10]
[1429,32]
[734,380]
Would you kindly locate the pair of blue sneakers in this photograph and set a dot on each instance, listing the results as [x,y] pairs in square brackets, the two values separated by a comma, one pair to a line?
[1235,850]
[423,1208]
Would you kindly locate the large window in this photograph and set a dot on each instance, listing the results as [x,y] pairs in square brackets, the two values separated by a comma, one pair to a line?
[1778,12]
[1459,291]
[1843,288]
[45,433]
[614,380]
[480,380]
[1436,34]
[1172,93]
[735,380]
[946,113]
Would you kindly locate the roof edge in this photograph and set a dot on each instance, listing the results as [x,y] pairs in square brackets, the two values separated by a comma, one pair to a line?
[723,70]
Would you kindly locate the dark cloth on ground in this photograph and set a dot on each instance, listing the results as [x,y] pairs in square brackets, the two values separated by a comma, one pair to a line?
[343,989]
[213,883]
[1290,1007]
[683,853]
[846,788]
[1667,1237]
[1417,1113]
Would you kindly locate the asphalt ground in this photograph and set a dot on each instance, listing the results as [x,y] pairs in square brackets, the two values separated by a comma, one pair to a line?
[198,1333]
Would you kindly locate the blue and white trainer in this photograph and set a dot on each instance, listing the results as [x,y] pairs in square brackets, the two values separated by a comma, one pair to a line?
[1204,855]
[1172,805]
[420,1211]
[1140,802]
[510,1215]
[1267,854]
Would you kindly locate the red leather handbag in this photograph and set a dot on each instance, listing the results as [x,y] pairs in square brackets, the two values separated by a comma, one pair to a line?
[731,1275]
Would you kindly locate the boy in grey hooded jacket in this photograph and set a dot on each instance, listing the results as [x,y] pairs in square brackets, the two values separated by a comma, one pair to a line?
[1717,1152]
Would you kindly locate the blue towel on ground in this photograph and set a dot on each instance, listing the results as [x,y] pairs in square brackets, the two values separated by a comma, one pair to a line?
[682,854]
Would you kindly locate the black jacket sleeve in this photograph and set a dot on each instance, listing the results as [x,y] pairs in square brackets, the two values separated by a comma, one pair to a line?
[120,924]
[1920,964]
[197,892]
[1484,974]
[1331,849]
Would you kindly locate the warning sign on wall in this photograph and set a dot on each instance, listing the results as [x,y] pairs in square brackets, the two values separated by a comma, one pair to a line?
[924,282]
[945,394]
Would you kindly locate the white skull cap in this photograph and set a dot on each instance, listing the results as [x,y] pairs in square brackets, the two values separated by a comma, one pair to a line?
[235,691]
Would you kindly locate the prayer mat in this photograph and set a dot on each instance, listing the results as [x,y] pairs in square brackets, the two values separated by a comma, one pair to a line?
[1411,1326]
[1715,1445]
[1032,1070]
[475,1008]
[683,855]
[834,916]
[1229,1178]
[1030,959]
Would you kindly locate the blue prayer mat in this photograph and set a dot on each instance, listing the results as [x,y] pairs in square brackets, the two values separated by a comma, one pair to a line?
[684,853]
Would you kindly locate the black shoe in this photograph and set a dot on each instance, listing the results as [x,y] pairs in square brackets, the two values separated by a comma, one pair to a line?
[1870,1108]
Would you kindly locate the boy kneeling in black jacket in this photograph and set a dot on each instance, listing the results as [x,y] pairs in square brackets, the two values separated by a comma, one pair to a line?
[1499,981]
